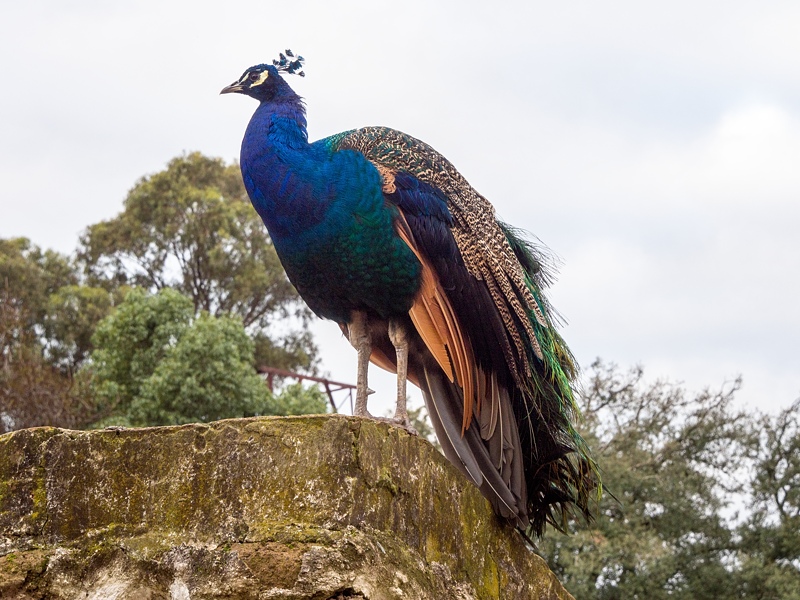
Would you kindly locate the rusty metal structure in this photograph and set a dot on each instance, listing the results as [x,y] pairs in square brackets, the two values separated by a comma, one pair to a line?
[328,385]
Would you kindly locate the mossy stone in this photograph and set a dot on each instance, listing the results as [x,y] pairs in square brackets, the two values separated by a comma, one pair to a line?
[272,507]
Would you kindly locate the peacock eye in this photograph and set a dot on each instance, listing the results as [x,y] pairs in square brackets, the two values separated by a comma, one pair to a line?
[254,76]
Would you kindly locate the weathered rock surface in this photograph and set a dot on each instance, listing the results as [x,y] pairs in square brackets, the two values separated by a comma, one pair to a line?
[301,507]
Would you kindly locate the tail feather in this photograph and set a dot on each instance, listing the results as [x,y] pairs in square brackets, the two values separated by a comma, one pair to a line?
[505,488]
[523,450]
[563,478]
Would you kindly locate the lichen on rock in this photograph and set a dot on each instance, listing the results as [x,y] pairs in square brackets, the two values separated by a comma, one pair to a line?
[270,507]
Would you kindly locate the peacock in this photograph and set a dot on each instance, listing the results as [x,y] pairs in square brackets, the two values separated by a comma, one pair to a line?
[381,234]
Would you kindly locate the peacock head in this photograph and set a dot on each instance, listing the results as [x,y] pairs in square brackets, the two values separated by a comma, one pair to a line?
[264,82]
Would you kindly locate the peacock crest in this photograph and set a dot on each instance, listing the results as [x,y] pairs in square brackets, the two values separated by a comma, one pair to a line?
[289,63]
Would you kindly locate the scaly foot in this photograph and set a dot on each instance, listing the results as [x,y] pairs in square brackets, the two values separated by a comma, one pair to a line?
[361,341]
[402,424]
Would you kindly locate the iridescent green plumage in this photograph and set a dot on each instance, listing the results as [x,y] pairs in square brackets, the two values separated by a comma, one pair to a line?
[578,480]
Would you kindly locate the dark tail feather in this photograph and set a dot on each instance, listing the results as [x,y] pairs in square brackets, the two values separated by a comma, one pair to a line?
[469,452]
[562,481]
[563,478]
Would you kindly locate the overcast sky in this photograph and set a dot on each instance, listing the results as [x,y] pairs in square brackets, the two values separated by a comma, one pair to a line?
[654,147]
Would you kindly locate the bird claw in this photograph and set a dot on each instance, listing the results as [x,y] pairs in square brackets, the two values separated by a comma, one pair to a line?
[400,422]
[409,429]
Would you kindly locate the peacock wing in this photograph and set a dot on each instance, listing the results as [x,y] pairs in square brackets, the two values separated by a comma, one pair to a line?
[482,243]
[482,313]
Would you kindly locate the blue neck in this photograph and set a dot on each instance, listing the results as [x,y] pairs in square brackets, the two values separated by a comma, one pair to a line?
[280,168]
[282,122]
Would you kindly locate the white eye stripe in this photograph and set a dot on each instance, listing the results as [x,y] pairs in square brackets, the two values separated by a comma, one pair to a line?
[262,77]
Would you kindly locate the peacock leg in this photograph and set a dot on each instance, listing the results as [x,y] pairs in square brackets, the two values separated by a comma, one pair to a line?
[397,335]
[361,341]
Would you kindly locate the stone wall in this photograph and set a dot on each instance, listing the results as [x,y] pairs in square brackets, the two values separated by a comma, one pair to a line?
[297,507]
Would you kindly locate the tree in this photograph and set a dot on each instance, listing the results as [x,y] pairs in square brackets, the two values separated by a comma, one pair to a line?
[296,399]
[192,228]
[702,499]
[29,275]
[32,391]
[72,314]
[59,314]
[156,363]
[44,335]
[770,566]
[132,341]
[207,375]
[670,464]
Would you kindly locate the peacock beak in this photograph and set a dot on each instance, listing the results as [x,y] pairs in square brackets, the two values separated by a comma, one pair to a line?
[233,88]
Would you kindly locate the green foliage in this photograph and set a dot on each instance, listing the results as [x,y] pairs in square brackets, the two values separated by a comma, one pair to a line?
[293,351]
[60,314]
[207,375]
[189,228]
[29,275]
[158,364]
[676,467]
[192,228]
[133,340]
[295,399]
[771,532]
[72,314]
[46,321]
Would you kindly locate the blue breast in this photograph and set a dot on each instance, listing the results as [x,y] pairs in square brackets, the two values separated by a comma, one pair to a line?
[328,219]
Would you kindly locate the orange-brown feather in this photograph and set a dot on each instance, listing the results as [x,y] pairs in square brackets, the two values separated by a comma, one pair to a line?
[437,324]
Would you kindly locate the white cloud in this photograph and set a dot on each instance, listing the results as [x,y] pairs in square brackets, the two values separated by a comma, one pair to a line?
[694,267]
